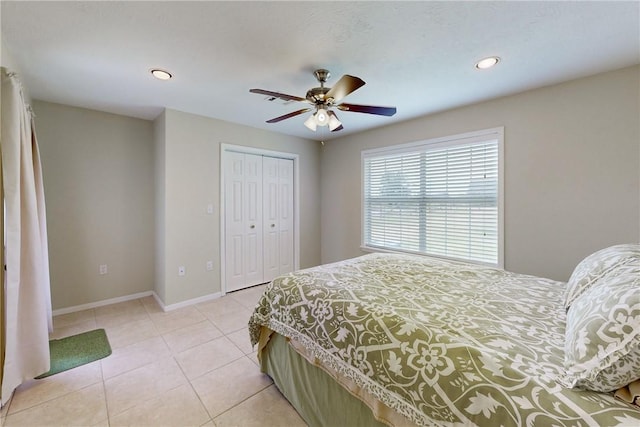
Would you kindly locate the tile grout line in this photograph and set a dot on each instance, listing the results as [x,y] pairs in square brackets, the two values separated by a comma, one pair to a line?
[242,401]
[104,384]
[8,406]
[219,367]
[244,355]
[198,396]
[104,390]
[190,380]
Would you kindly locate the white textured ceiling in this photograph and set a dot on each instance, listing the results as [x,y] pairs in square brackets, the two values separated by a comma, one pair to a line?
[416,56]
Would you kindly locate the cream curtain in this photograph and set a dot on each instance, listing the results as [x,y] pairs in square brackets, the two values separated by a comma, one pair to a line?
[27,291]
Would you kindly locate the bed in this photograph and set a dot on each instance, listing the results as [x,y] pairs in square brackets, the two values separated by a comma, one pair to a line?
[394,339]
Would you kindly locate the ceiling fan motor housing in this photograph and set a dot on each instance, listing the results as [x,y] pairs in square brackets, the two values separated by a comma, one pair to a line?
[317,96]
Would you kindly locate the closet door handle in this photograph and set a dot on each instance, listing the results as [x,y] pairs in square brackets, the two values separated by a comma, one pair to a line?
[252,226]
[273,225]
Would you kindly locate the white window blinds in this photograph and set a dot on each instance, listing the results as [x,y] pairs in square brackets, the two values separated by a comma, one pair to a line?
[436,198]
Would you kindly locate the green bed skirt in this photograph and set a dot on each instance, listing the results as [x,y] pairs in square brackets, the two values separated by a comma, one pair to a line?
[317,397]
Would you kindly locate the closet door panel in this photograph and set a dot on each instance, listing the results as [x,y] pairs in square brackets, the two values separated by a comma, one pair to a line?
[285,215]
[253,224]
[270,215]
[234,221]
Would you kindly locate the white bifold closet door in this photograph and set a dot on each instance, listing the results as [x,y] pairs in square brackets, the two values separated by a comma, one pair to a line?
[277,188]
[243,220]
[258,219]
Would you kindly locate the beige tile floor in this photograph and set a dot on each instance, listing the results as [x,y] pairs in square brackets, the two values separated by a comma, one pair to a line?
[193,366]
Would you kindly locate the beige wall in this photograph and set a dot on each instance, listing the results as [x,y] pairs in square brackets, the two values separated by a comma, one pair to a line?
[192,181]
[159,137]
[132,194]
[98,179]
[6,58]
[7,61]
[572,171]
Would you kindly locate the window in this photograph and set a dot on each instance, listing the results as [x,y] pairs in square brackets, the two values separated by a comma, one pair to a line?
[440,197]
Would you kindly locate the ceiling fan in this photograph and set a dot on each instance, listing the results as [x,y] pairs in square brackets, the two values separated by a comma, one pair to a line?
[323,98]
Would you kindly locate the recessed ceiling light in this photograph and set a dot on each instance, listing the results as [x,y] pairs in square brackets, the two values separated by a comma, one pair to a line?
[161,74]
[485,63]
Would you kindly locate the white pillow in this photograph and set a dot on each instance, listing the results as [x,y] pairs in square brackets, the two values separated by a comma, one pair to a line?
[597,266]
[602,347]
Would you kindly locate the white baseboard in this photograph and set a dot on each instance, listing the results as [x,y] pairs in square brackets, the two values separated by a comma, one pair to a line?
[164,307]
[101,303]
[187,302]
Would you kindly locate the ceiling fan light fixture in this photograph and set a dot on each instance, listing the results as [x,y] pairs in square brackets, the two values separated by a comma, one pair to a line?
[310,123]
[334,123]
[489,62]
[322,117]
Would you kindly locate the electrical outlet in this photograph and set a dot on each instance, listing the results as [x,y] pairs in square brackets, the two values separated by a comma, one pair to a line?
[209,265]
[181,271]
[103,269]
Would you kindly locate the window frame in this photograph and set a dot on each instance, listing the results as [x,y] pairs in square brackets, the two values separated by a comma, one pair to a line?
[496,133]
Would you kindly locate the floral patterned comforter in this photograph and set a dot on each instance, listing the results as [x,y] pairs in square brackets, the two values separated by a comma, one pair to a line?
[442,343]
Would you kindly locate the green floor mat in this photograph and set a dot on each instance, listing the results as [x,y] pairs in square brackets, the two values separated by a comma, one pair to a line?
[77,350]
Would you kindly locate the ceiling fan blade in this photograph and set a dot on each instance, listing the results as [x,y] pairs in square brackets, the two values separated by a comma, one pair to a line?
[283,96]
[344,87]
[288,116]
[369,109]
